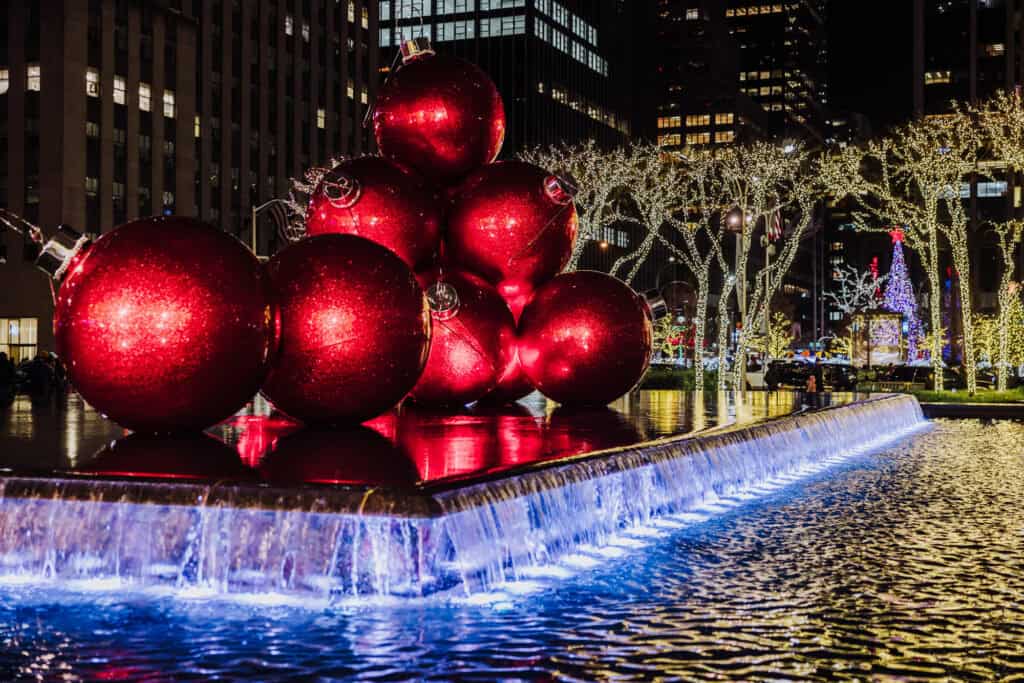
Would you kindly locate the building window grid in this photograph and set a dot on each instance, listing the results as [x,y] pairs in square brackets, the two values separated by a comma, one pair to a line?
[92,82]
[5,80]
[145,97]
[33,77]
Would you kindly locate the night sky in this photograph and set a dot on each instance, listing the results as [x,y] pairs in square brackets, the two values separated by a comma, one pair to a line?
[871,58]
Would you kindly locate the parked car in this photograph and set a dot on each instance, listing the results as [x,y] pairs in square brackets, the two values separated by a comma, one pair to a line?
[790,374]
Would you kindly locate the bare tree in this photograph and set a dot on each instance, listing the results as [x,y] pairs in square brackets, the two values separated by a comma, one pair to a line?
[855,289]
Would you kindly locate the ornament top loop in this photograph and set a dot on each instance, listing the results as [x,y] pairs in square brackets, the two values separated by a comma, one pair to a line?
[415,48]
[60,250]
[443,300]
[559,189]
[342,190]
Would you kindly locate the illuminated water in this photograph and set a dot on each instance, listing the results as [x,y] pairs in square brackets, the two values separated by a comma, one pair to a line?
[905,563]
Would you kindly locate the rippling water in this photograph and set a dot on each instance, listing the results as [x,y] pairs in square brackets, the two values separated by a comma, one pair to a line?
[903,564]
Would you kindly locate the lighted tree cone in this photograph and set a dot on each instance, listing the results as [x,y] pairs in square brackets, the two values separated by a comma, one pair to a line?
[439,115]
[585,338]
[354,330]
[515,224]
[164,324]
[467,354]
[375,198]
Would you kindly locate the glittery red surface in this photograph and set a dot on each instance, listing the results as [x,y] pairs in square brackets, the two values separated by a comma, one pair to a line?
[355,330]
[466,352]
[512,383]
[585,338]
[440,115]
[394,208]
[504,226]
[165,324]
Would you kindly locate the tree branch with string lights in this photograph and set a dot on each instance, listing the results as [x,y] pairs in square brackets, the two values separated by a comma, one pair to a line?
[855,290]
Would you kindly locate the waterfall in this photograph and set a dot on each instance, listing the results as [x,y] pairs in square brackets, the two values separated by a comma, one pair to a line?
[464,540]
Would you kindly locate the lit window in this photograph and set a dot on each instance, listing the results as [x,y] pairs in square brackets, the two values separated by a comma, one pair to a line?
[935,77]
[92,129]
[289,25]
[698,138]
[196,127]
[321,118]
[119,90]
[694,120]
[168,198]
[92,186]
[730,12]
[364,20]
[350,89]
[34,77]
[170,110]
[352,12]
[692,14]
[5,80]
[145,97]
[305,31]
[668,121]
[995,50]
[724,136]
[92,82]
[724,118]
[669,140]
[18,338]
[364,96]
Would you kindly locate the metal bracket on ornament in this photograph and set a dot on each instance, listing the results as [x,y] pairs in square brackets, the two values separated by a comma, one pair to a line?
[60,250]
[443,300]
[654,304]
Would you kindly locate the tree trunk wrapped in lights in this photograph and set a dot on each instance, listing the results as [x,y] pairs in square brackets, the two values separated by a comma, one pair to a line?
[1009,234]
[913,178]
[601,178]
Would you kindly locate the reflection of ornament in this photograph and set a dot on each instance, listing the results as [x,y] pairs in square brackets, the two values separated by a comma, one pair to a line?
[514,224]
[440,115]
[585,338]
[355,456]
[178,456]
[571,431]
[355,329]
[466,351]
[164,324]
[374,198]
[447,444]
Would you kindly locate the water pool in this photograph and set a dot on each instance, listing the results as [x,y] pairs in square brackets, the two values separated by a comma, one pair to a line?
[905,563]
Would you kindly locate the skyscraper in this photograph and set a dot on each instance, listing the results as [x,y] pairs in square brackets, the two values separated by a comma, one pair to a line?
[115,109]
[562,68]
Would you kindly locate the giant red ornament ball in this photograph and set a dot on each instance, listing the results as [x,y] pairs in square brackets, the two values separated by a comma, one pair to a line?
[513,223]
[440,115]
[512,384]
[164,324]
[376,199]
[466,354]
[585,338]
[354,330]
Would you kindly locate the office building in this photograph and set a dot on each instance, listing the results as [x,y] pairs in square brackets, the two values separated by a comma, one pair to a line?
[117,109]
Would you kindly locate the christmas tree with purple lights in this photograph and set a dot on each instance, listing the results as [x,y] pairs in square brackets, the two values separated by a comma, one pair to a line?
[899,295]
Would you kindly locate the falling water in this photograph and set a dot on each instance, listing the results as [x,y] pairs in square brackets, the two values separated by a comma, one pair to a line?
[465,541]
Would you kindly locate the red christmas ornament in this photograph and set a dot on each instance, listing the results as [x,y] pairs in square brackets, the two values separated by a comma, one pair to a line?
[513,384]
[466,354]
[355,330]
[513,223]
[585,338]
[164,323]
[178,456]
[376,199]
[356,456]
[438,114]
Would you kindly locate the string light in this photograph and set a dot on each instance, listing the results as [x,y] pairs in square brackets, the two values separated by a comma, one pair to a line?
[855,290]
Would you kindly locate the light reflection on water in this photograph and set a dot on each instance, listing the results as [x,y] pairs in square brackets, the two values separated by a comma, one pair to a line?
[66,433]
[903,564]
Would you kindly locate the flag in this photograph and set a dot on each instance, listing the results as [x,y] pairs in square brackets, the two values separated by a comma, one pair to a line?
[775,227]
[277,211]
